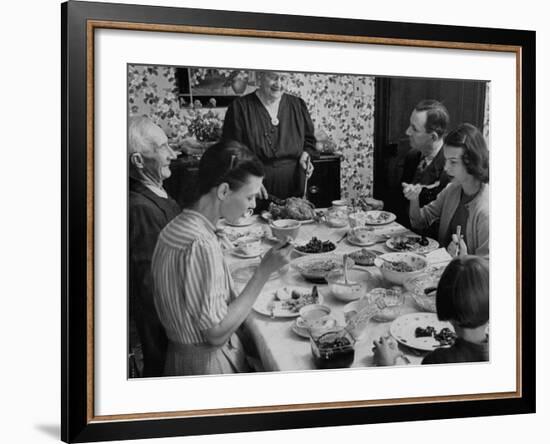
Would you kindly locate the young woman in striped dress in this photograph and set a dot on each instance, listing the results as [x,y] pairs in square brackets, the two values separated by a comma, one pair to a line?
[194,293]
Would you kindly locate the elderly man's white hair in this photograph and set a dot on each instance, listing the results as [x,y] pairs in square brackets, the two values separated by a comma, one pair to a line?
[140,138]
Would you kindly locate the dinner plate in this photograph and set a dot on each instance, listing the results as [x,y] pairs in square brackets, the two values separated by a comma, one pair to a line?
[243,222]
[266,215]
[379,217]
[269,305]
[237,235]
[303,253]
[316,267]
[403,330]
[304,243]
[255,253]
[414,247]
[243,272]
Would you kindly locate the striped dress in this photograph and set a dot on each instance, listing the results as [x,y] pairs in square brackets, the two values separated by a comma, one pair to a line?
[193,288]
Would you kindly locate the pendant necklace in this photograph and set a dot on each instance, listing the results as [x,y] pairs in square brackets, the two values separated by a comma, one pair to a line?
[272,110]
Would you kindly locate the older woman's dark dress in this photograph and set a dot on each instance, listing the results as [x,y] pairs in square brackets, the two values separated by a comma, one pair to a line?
[279,146]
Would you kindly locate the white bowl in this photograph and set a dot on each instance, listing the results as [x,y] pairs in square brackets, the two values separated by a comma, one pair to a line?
[415,261]
[284,228]
[356,287]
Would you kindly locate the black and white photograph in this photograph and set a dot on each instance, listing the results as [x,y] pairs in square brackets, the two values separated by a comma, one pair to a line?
[285,221]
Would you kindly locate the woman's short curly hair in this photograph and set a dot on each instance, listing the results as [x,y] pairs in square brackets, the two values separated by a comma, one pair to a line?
[476,154]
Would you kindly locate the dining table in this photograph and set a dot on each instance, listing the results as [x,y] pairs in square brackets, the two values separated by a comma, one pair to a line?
[279,347]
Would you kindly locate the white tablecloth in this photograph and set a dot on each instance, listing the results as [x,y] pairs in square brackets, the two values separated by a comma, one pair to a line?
[280,348]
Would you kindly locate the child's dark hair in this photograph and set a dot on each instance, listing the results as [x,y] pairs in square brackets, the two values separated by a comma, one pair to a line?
[476,154]
[227,161]
[463,292]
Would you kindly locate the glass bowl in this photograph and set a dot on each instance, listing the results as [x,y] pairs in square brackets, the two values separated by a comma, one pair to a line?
[337,216]
[393,298]
[332,348]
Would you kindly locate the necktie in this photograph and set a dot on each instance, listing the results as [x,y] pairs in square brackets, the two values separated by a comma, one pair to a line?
[422,164]
[420,169]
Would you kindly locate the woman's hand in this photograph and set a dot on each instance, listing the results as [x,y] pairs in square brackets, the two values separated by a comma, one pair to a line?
[411,191]
[305,163]
[385,351]
[456,248]
[277,257]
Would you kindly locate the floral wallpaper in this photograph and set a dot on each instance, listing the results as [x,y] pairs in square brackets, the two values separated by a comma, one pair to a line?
[341,106]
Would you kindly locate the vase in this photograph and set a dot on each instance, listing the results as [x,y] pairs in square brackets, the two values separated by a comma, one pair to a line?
[238,84]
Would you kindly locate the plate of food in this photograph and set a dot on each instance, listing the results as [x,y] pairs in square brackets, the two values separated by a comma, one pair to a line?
[378,217]
[243,221]
[247,250]
[242,272]
[423,331]
[286,302]
[236,235]
[315,246]
[364,257]
[268,217]
[413,243]
[423,289]
[292,208]
[316,268]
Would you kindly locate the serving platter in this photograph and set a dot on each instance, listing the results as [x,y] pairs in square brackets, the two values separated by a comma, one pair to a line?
[379,217]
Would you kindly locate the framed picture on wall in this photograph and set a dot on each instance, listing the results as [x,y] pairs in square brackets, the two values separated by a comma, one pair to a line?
[134,80]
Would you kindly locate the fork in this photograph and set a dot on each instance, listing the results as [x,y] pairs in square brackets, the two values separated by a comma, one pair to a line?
[433,185]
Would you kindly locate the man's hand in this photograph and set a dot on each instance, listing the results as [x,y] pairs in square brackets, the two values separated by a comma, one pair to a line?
[305,163]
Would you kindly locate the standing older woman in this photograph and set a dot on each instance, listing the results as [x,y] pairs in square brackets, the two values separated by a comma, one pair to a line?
[277,127]
[465,201]
[194,293]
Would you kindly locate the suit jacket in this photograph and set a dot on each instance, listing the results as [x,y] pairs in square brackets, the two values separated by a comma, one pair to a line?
[148,215]
[433,172]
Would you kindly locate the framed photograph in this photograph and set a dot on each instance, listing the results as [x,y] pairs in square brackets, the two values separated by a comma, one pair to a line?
[312,349]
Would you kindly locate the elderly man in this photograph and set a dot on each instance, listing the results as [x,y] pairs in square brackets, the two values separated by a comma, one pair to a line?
[278,128]
[425,162]
[150,209]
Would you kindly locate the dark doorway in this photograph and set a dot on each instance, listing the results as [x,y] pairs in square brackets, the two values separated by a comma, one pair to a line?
[395,99]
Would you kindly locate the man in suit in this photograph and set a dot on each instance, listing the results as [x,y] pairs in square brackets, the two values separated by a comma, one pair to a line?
[425,162]
[150,209]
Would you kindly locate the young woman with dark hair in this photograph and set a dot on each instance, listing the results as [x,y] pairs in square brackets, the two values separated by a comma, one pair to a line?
[194,293]
[465,201]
